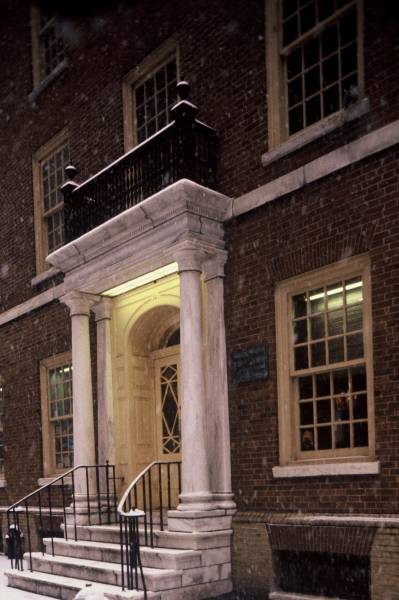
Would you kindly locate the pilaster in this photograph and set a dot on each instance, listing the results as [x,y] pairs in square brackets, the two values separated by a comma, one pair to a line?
[105,400]
[217,393]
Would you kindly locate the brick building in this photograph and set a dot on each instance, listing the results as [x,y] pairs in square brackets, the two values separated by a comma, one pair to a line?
[219,290]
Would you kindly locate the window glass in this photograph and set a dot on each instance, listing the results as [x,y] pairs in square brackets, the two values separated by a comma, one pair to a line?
[61,414]
[320,55]
[328,352]
[53,176]
[51,43]
[154,99]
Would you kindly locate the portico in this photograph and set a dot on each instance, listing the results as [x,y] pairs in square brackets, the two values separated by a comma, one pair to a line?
[180,226]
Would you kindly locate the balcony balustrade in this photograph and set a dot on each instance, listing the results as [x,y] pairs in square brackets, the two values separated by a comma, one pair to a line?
[185,148]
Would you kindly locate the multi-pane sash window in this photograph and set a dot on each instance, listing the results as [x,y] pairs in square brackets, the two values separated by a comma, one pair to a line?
[52,177]
[154,98]
[1,429]
[59,381]
[320,54]
[328,332]
[324,361]
[51,45]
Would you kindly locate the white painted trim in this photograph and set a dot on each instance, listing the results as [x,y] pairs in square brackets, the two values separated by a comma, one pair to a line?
[3,483]
[328,469]
[40,87]
[342,157]
[31,304]
[42,277]
[316,131]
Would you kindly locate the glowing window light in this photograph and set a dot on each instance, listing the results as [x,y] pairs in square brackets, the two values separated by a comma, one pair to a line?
[350,286]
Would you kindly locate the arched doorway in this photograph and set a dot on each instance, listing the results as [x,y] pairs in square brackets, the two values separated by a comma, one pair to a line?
[151,411]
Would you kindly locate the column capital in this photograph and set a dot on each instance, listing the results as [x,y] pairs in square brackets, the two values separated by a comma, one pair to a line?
[213,267]
[79,303]
[103,309]
[189,257]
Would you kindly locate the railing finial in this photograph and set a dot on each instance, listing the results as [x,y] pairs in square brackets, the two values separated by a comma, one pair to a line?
[184,111]
[183,90]
[70,184]
[70,172]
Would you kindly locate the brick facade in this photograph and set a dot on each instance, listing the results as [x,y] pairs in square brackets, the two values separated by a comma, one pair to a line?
[352,212]
[296,234]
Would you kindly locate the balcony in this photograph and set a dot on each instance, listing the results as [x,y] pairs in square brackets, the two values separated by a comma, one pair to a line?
[184,149]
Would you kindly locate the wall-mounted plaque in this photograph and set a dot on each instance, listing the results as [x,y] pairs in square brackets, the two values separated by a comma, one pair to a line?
[250,364]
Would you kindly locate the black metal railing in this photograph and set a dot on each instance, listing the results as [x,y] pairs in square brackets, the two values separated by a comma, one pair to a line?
[185,148]
[142,510]
[57,500]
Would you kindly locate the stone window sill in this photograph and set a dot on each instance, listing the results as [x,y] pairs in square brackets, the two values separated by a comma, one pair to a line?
[328,469]
[316,131]
[42,85]
[3,483]
[42,277]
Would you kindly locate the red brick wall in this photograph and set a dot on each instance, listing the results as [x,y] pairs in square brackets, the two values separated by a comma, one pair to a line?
[23,344]
[342,215]
[222,53]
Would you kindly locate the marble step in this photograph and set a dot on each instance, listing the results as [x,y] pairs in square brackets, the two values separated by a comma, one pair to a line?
[194,541]
[66,588]
[159,558]
[109,533]
[102,572]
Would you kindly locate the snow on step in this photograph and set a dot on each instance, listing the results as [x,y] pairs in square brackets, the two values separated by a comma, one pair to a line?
[158,558]
[66,588]
[102,572]
[109,533]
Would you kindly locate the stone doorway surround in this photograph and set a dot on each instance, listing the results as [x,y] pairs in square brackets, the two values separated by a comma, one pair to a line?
[181,224]
[140,322]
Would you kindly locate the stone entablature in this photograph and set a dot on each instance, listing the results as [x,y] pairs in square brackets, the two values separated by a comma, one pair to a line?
[148,232]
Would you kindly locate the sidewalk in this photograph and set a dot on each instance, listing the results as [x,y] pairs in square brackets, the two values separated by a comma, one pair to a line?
[7,593]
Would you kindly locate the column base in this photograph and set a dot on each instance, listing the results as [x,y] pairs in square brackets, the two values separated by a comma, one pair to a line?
[225,500]
[196,501]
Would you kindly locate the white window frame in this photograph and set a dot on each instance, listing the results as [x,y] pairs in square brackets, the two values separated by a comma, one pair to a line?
[41,239]
[48,433]
[277,105]
[136,77]
[38,61]
[287,410]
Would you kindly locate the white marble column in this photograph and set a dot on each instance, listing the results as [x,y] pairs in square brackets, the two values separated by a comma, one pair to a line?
[105,401]
[83,421]
[217,389]
[196,493]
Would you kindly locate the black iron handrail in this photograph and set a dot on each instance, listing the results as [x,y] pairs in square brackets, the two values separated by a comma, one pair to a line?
[53,498]
[185,148]
[138,505]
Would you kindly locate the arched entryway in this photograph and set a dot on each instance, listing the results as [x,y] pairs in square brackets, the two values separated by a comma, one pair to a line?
[150,412]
